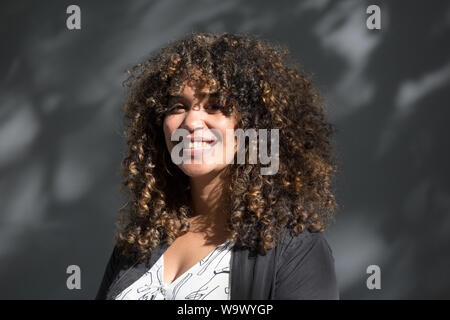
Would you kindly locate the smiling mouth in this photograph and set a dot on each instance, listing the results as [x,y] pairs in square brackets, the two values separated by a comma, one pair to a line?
[200,145]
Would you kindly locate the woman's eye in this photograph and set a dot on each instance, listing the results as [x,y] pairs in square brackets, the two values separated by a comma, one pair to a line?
[214,108]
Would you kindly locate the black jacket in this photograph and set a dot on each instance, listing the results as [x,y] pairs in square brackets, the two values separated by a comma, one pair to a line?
[299,267]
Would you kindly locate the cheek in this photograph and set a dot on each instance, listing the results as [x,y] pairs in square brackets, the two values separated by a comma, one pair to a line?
[225,123]
[228,124]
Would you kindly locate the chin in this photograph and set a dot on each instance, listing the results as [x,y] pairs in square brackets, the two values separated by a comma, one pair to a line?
[198,170]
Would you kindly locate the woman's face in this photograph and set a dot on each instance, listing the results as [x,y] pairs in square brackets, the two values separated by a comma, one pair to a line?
[205,130]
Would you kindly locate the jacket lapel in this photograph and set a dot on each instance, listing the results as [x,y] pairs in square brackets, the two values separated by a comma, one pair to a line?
[131,273]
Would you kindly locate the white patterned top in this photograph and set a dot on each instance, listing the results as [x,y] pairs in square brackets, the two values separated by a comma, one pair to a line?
[209,279]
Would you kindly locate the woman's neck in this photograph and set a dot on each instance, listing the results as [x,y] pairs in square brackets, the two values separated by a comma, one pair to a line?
[209,203]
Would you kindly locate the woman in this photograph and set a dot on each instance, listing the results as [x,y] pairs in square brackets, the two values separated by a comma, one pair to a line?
[214,227]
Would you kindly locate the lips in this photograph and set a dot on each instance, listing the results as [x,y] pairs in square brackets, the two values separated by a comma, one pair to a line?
[199,145]
[199,142]
[201,139]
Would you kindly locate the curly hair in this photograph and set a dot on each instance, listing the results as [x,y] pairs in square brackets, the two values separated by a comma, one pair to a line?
[263,84]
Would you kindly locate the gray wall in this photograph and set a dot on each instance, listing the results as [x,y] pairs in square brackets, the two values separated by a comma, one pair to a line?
[61,137]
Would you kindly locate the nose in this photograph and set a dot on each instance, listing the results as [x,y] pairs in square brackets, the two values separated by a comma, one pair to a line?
[193,119]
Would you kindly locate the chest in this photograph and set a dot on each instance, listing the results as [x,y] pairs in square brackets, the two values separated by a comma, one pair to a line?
[249,277]
[207,278]
[184,253]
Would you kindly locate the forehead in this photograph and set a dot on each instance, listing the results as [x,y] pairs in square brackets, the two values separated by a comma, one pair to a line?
[190,92]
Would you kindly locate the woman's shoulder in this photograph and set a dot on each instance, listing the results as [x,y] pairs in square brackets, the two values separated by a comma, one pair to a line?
[303,243]
[306,267]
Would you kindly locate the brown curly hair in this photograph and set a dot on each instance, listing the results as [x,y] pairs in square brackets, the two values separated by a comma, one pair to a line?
[263,84]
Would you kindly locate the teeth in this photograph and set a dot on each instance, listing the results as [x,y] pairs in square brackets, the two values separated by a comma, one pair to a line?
[198,145]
